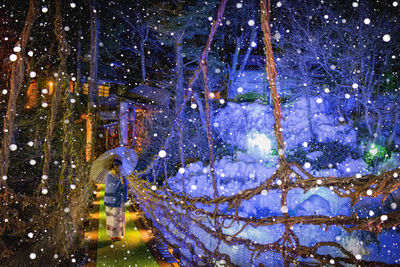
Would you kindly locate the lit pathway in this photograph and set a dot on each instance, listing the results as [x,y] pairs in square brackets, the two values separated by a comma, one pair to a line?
[132,250]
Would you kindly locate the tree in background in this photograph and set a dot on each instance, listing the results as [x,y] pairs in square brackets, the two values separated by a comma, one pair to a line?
[343,54]
[64,186]
[182,25]
[16,80]
[133,34]
[241,37]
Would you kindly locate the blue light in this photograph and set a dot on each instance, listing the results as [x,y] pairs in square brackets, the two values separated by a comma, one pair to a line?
[258,144]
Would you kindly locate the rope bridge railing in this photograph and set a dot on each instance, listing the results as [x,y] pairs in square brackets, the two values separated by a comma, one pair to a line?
[174,215]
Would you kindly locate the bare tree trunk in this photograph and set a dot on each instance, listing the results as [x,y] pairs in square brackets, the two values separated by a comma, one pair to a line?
[204,69]
[63,52]
[179,71]
[378,127]
[68,144]
[395,123]
[143,40]
[253,38]
[89,136]
[232,69]
[17,76]
[366,117]
[132,119]
[179,96]
[79,64]
[143,61]
[271,74]
[395,126]
[180,135]
[94,52]
[201,111]
[181,150]
[234,74]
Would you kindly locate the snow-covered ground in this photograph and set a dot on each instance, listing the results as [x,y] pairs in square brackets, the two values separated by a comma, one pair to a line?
[236,120]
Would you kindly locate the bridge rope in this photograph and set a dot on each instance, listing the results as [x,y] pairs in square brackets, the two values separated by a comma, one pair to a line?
[164,204]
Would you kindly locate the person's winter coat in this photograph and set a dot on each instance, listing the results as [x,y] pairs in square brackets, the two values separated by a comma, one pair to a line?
[115,192]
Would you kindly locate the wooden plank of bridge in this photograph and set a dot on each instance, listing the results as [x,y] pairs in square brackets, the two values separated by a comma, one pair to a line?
[134,249]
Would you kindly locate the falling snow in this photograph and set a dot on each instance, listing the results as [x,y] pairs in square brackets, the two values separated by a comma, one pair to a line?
[190,91]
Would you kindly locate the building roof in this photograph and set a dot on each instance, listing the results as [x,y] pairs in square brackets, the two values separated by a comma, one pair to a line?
[157,96]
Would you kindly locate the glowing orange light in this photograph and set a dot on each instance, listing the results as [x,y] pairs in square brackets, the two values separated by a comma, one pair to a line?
[51,84]
[32,95]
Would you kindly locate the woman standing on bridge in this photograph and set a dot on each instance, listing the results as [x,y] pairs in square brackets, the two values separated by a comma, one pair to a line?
[116,194]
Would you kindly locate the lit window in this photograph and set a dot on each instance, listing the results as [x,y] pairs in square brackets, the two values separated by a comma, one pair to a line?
[104,90]
[32,95]
[71,86]
[85,88]
[51,87]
